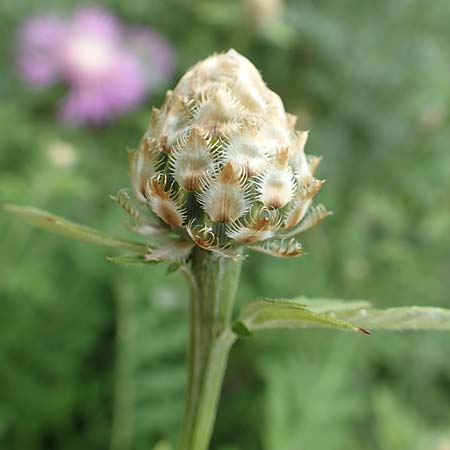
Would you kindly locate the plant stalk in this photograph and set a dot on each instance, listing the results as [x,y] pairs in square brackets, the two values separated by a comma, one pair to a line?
[214,281]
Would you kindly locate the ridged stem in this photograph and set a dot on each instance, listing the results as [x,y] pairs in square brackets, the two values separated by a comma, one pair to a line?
[214,281]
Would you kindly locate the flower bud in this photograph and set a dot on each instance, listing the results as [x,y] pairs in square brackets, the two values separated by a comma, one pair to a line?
[222,163]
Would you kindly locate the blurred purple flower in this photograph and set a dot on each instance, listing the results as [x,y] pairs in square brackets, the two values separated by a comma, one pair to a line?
[109,68]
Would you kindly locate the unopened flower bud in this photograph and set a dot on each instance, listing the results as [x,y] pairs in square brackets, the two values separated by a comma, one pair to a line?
[222,163]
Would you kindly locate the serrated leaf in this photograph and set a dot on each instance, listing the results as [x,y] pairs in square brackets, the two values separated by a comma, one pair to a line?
[56,224]
[283,313]
[131,260]
[399,319]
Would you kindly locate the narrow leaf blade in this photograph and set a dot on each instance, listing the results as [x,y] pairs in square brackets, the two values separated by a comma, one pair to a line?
[400,319]
[276,314]
[326,305]
[56,224]
[356,315]
[131,260]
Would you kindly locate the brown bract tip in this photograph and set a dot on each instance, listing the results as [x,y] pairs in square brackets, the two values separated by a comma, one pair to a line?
[228,174]
[282,157]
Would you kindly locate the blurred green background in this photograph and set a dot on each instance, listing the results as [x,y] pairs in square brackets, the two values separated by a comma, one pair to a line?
[92,354]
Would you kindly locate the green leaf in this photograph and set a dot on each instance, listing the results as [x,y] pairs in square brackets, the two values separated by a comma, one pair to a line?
[284,313]
[173,267]
[326,305]
[73,230]
[399,319]
[131,260]
[240,329]
[357,315]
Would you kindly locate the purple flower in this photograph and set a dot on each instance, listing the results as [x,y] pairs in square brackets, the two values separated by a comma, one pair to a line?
[109,68]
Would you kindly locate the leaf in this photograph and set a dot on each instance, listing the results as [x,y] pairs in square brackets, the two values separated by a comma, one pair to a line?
[173,267]
[73,230]
[272,314]
[131,260]
[399,319]
[240,329]
[326,305]
[357,315]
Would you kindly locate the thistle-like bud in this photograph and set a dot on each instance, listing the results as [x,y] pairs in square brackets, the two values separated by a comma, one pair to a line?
[222,165]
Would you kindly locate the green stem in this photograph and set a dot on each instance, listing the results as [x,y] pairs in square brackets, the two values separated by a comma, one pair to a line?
[214,282]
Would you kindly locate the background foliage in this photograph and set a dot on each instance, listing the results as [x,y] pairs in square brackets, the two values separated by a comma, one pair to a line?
[92,354]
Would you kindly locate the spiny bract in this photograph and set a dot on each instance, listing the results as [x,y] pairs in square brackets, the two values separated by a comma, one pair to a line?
[221,165]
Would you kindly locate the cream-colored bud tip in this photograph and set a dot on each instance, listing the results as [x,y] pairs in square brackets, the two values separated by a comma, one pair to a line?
[221,163]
